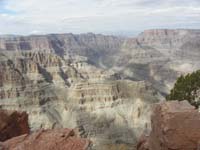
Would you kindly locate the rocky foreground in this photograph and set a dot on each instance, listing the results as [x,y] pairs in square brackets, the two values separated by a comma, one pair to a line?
[14,131]
[175,125]
[13,124]
[60,139]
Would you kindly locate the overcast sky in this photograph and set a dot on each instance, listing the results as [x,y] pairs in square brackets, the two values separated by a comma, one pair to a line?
[99,16]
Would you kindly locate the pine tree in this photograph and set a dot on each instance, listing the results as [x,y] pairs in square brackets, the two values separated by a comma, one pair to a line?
[186,88]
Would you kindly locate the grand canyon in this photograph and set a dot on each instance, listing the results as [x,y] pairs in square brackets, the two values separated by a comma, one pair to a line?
[102,88]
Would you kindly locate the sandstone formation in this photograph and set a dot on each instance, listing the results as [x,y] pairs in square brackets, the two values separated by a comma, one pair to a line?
[13,124]
[175,125]
[61,139]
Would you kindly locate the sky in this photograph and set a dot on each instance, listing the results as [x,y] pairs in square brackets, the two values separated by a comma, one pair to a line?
[123,17]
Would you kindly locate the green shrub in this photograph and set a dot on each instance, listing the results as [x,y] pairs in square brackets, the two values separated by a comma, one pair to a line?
[186,88]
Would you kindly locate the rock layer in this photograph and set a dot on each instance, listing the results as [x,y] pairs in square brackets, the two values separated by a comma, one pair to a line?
[13,124]
[175,125]
[71,92]
[158,55]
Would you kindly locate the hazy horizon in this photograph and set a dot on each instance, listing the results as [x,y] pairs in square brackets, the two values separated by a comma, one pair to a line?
[115,17]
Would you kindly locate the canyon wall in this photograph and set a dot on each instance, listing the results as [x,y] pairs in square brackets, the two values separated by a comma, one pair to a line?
[158,56]
[101,86]
[72,93]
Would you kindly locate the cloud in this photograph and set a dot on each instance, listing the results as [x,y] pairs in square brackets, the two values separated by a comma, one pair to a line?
[47,16]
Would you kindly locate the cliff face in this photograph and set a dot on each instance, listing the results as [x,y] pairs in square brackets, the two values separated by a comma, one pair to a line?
[158,55]
[69,92]
[63,44]
[163,38]
[167,38]
[174,126]
[162,54]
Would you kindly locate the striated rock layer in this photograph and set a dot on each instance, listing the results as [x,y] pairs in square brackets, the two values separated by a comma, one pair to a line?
[62,139]
[71,92]
[13,124]
[175,125]
[158,56]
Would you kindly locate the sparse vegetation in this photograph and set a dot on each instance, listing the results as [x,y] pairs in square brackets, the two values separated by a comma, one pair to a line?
[187,88]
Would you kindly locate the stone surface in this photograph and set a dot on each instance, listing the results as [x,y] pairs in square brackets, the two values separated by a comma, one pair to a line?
[143,143]
[60,139]
[13,124]
[175,125]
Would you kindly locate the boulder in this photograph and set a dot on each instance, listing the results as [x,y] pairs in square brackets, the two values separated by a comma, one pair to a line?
[13,123]
[175,125]
[57,139]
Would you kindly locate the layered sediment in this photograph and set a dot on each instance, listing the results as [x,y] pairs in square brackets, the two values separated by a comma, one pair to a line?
[72,93]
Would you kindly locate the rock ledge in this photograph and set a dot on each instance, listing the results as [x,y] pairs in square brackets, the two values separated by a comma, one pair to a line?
[175,125]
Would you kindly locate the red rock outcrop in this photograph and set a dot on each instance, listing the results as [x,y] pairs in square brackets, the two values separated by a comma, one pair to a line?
[143,143]
[13,124]
[60,139]
[175,126]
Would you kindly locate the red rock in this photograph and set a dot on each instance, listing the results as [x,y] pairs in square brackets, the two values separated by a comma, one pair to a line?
[58,139]
[143,143]
[175,126]
[13,124]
